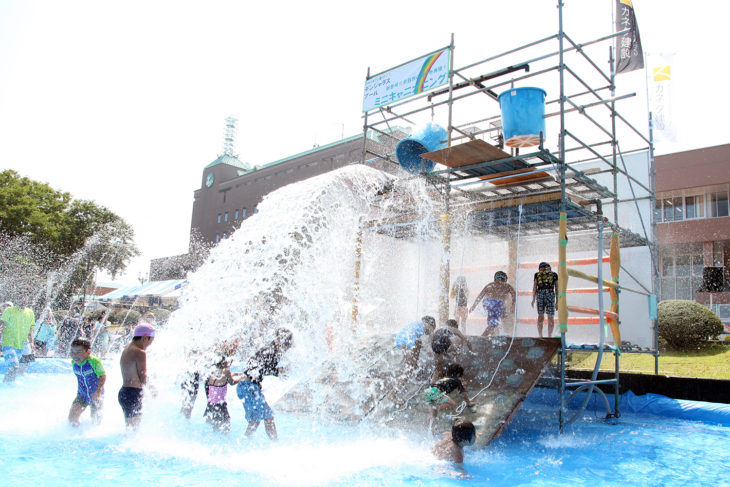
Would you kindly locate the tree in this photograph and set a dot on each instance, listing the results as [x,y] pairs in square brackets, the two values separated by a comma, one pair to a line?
[63,241]
[34,210]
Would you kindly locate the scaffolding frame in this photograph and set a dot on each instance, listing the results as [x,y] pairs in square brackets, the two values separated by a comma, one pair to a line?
[563,197]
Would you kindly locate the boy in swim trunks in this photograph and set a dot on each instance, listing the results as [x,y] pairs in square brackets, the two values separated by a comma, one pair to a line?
[91,378]
[437,395]
[545,290]
[410,339]
[264,362]
[494,296]
[441,343]
[16,328]
[452,446]
[133,363]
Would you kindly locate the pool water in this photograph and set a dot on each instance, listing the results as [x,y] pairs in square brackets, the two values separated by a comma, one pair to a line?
[39,448]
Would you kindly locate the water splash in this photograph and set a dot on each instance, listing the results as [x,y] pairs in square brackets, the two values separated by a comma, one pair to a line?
[292,264]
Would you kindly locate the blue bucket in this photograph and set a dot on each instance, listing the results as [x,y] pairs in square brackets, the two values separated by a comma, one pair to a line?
[427,138]
[522,116]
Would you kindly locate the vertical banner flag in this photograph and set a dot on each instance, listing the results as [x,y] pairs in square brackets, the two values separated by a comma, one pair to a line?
[629,55]
[660,96]
[414,77]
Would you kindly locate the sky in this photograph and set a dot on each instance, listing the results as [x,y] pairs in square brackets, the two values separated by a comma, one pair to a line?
[123,103]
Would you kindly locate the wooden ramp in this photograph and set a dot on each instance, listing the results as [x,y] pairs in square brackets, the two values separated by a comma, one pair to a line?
[505,382]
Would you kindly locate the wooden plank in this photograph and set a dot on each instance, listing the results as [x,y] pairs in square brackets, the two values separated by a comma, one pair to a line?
[525,199]
[516,179]
[472,152]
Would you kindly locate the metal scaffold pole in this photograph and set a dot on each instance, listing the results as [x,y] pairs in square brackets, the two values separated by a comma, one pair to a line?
[562,236]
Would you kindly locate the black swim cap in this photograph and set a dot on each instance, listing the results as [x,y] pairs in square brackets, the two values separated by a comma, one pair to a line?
[429,320]
[499,275]
[543,264]
[454,371]
[463,432]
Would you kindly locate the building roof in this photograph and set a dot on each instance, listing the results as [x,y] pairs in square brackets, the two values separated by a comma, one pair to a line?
[231,161]
[152,288]
[234,161]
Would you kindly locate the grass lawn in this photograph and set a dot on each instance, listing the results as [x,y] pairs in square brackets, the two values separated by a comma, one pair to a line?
[712,362]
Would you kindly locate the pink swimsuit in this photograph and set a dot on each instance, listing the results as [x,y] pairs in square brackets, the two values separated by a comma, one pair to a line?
[217,394]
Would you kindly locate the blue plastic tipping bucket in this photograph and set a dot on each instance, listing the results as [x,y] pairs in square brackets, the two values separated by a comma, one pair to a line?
[427,138]
[522,116]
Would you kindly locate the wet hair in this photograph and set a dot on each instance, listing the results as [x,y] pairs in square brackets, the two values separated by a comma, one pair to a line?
[454,371]
[222,363]
[284,336]
[452,323]
[82,342]
[463,433]
[429,320]
[543,264]
[500,276]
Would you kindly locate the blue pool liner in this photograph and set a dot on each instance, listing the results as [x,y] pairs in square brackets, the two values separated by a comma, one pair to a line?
[656,404]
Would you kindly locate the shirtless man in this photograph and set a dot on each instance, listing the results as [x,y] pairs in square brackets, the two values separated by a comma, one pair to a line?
[134,373]
[494,299]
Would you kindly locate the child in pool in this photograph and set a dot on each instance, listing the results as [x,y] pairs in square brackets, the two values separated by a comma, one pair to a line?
[264,362]
[437,396]
[216,412]
[441,344]
[451,447]
[91,378]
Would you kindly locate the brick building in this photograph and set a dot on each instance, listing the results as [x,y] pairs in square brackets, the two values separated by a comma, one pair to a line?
[693,226]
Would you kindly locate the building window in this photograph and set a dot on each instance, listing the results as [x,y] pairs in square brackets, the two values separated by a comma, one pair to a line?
[679,208]
[225,217]
[235,215]
[681,272]
[243,212]
[256,208]
[694,207]
[718,254]
[718,204]
[225,234]
[217,237]
[219,217]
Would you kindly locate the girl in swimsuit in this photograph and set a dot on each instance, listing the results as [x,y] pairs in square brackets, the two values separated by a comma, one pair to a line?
[216,412]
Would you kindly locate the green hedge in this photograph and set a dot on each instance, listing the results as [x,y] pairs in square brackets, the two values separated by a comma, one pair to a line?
[687,325]
[161,315]
[125,316]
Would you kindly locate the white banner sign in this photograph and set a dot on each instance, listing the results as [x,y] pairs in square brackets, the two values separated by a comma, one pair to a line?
[661,96]
[421,75]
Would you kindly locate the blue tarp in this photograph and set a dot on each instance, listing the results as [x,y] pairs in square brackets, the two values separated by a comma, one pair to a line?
[656,404]
[708,412]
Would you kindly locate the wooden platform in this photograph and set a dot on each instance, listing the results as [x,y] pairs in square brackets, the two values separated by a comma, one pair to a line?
[478,151]
[368,397]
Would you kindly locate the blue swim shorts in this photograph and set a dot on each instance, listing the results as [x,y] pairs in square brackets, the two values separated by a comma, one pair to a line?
[495,310]
[12,356]
[254,402]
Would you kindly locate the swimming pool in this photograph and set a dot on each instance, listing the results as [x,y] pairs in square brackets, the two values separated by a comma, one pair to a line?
[39,448]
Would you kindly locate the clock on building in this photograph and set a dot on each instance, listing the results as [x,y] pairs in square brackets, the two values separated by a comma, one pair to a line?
[209,179]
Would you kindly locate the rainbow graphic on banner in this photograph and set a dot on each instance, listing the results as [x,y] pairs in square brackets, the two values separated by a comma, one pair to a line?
[425,69]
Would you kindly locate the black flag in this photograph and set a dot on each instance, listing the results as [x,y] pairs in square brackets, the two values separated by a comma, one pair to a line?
[629,55]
